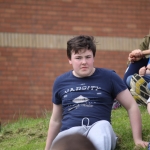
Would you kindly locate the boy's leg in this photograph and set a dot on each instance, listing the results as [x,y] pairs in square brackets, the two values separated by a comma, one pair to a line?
[102,135]
[72,130]
[148,85]
[134,68]
[128,81]
[139,88]
[137,97]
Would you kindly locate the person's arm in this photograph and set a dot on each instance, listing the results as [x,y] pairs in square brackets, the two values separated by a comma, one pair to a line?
[54,125]
[126,100]
[144,45]
[135,55]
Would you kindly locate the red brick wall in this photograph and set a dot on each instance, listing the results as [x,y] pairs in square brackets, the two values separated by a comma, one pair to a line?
[26,77]
[27,74]
[127,18]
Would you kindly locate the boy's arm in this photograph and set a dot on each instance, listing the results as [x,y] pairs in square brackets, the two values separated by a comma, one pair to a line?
[135,55]
[144,45]
[126,100]
[54,125]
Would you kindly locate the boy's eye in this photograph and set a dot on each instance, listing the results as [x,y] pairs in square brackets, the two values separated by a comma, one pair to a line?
[78,57]
[88,57]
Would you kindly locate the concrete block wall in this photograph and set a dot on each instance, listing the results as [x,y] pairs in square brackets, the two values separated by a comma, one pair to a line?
[33,36]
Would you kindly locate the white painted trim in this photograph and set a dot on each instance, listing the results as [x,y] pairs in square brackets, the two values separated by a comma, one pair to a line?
[49,41]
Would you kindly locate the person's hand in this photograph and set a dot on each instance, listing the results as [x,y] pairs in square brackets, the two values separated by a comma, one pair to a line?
[135,55]
[147,70]
[142,71]
[142,144]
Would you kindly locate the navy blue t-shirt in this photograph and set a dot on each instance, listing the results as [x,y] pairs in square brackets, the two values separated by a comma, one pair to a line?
[90,97]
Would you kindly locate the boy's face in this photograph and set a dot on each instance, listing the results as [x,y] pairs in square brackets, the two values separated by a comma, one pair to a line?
[82,63]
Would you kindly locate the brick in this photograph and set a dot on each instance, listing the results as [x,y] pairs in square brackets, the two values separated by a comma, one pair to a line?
[28,73]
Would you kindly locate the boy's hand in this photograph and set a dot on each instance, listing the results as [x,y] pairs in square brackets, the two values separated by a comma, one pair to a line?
[135,55]
[142,144]
[142,71]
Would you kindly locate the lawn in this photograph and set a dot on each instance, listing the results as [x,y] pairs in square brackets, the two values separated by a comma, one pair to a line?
[30,134]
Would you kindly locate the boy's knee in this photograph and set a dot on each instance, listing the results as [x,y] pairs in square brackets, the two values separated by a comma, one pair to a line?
[128,81]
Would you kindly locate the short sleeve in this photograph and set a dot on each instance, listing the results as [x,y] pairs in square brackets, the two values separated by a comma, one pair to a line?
[55,96]
[117,84]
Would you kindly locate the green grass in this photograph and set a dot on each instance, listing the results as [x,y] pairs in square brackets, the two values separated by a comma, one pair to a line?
[121,126]
[25,134]
[30,134]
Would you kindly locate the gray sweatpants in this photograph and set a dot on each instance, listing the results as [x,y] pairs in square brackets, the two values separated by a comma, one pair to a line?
[100,133]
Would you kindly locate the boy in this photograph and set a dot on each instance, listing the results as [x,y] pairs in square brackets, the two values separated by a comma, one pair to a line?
[83,99]
[139,84]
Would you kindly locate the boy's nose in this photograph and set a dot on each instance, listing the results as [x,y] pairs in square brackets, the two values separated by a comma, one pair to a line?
[83,61]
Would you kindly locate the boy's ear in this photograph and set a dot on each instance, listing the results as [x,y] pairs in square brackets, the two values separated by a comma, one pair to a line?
[70,62]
